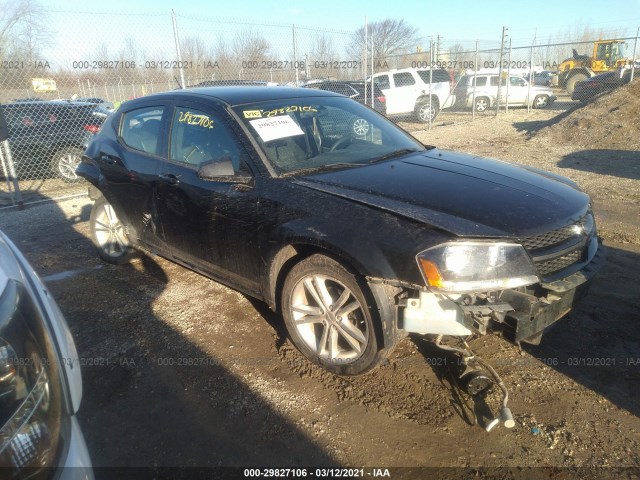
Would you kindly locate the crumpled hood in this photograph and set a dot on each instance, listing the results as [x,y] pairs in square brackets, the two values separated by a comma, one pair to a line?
[460,193]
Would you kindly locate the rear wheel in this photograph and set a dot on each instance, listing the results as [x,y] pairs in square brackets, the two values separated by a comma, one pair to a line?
[482,104]
[427,111]
[64,164]
[109,234]
[328,317]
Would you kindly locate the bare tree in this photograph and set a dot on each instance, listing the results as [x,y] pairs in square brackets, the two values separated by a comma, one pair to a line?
[389,37]
[322,52]
[322,48]
[250,46]
[22,27]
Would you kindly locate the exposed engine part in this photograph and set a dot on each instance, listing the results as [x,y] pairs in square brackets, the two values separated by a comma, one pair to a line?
[438,314]
[468,357]
[475,382]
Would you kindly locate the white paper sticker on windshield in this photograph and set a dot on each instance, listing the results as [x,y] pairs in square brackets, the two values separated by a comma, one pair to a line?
[276,127]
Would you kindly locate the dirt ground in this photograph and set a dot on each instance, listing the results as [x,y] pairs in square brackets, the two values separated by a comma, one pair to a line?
[181,371]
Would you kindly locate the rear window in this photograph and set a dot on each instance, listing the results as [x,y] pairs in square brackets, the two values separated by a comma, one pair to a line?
[438,75]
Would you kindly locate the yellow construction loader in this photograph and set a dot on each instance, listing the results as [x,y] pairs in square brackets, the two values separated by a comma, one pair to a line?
[607,55]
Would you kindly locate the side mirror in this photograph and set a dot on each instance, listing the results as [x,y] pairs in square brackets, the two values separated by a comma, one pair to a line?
[221,170]
[218,167]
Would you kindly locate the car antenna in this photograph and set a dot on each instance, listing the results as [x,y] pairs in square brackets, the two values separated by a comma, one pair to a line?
[178,82]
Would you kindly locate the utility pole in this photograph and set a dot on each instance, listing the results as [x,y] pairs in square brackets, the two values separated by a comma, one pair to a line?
[633,60]
[504,37]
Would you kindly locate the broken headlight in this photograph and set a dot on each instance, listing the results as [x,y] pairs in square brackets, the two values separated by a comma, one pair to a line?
[476,266]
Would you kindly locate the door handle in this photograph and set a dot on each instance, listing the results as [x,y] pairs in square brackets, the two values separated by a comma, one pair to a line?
[169,178]
[109,159]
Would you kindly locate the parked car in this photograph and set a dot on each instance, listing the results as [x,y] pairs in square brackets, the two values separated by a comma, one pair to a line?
[40,381]
[356,240]
[544,78]
[486,92]
[603,82]
[48,138]
[355,90]
[407,91]
[98,101]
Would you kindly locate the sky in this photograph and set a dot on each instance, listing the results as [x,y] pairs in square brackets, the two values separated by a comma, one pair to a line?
[79,30]
[467,19]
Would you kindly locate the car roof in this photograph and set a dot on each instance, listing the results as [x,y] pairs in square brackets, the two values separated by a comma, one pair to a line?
[240,95]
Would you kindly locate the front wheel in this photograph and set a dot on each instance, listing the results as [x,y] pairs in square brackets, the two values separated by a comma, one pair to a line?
[64,164]
[109,234]
[541,101]
[328,317]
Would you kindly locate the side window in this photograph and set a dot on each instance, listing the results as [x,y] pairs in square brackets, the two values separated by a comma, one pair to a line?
[403,79]
[438,76]
[517,81]
[197,137]
[441,76]
[494,81]
[140,129]
[481,81]
[382,82]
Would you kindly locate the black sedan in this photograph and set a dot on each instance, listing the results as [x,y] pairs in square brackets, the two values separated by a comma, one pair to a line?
[357,239]
[360,91]
[603,82]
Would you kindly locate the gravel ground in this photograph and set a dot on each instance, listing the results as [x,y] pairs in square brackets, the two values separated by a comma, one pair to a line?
[181,371]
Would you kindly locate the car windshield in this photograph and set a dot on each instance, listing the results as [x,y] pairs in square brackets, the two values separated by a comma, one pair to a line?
[316,133]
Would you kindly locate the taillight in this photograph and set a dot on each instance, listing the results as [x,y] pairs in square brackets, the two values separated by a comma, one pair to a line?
[381,99]
[92,128]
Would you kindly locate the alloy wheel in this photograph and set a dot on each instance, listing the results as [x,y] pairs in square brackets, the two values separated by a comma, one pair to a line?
[329,318]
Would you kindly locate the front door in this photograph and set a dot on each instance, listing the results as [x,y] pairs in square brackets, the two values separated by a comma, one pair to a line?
[208,224]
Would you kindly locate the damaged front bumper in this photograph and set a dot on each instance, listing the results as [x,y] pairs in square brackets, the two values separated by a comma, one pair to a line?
[520,314]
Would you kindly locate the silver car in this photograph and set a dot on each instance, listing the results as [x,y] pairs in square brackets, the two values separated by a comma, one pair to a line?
[517,92]
[40,382]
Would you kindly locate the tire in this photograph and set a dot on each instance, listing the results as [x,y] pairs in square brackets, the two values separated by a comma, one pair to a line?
[423,110]
[64,164]
[573,79]
[108,234]
[541,101]
[329,319]
[482,104]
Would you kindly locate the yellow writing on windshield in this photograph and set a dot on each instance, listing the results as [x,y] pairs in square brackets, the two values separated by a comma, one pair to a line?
[289,109]
[197,119]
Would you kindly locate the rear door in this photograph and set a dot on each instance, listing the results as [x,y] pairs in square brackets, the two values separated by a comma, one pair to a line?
[394,100]
[406,91]
[130,165]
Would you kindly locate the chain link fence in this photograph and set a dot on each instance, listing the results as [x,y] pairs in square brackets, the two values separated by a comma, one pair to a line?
[59,82]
